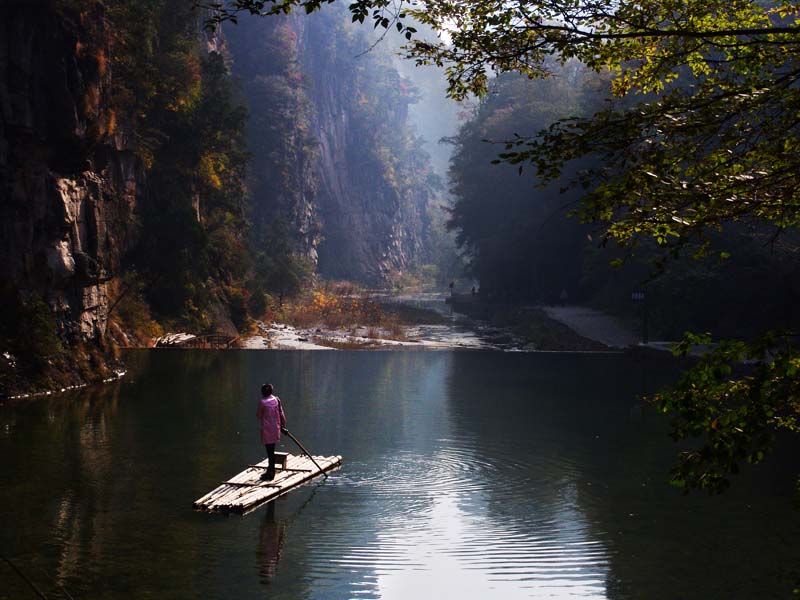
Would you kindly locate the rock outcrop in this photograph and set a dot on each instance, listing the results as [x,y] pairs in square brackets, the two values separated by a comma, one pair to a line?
[332,150]
[372,202]
[372,196]
[68,181]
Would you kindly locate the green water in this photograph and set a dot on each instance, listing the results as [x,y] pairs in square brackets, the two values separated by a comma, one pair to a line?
[466,475]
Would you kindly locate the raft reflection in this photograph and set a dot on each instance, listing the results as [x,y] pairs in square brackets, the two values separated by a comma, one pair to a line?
[270,544]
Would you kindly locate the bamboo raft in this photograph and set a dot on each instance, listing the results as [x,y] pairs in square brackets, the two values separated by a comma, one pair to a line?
[247,490]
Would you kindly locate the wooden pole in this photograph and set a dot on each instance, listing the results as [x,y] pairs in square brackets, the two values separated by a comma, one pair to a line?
[306,452]
[28,581]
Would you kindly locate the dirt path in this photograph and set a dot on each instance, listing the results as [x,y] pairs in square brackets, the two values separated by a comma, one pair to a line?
[594,325]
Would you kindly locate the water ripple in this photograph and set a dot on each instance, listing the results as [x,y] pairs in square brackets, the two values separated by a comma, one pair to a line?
[499,522]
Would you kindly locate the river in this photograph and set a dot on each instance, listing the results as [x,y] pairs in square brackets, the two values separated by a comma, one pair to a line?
[466,475]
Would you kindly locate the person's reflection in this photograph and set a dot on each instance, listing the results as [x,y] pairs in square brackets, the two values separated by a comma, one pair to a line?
[270,544]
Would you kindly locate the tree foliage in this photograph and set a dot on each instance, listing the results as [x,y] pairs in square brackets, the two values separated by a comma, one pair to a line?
[738,415]
[516,234]
[704,134]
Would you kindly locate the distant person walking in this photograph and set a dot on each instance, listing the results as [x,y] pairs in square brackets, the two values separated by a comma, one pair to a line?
[451,286]
[271,420]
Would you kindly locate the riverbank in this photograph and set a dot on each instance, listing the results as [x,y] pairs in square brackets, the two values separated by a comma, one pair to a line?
[278,336]
[567,328]
[409,322]
[347,320]
[425,321]
[378,323]
[116,376]
[66,369]
[541,328]
[545,333]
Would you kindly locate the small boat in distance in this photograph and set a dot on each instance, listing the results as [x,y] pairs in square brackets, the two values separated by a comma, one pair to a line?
[246,490]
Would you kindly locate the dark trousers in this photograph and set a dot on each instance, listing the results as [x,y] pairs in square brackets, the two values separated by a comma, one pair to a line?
[271,457]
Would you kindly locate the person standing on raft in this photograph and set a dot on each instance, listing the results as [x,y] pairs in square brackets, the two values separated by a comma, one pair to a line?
[271,420]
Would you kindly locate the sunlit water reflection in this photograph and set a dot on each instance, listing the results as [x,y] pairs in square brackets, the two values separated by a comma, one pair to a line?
[466,475]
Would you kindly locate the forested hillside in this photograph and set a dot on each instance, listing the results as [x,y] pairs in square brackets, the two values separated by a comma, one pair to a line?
[519,240]
[525,243]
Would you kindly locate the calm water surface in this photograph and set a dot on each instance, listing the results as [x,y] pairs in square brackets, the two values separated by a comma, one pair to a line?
[466,475]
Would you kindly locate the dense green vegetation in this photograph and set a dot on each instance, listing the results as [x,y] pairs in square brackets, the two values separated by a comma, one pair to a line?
[283,148]
[27,335]
[518,238]
[524,245]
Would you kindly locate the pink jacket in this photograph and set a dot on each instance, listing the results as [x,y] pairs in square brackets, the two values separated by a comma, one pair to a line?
[271,419]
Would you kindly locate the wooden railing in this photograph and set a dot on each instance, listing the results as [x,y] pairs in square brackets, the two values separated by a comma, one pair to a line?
[211,340]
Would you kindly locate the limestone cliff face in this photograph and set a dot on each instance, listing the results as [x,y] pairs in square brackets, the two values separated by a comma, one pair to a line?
[372,198]
[332,155]
[336,168]
[68,182]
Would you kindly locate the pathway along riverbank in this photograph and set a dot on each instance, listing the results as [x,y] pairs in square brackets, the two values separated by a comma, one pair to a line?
[566,328]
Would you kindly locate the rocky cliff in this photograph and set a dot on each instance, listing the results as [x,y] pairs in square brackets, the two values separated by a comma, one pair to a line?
[68,180]
[122,167]
[332,145]
[121,183]
[373,202]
